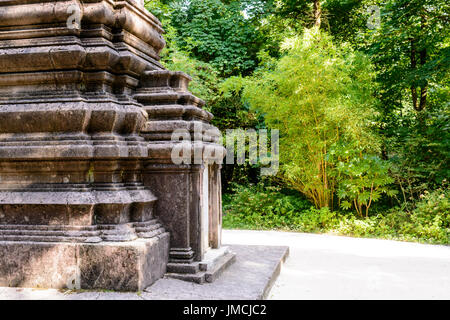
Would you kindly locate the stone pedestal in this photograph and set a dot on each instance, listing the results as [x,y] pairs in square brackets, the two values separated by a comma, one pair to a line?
[73,207]
[121,266]
[88,192]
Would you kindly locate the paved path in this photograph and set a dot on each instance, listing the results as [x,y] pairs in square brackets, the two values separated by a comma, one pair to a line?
[332,267]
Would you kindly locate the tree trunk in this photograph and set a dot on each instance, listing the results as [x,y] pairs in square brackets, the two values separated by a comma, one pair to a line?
[423,97]
[423,60]
[413,66]
[317,13]
[424,89]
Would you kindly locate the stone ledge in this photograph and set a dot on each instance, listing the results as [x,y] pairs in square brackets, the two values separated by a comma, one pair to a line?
[207,270]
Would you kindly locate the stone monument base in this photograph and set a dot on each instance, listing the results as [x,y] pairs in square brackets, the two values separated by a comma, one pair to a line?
[121,266]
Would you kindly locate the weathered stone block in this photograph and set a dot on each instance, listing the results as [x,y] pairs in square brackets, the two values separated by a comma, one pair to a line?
[126,266]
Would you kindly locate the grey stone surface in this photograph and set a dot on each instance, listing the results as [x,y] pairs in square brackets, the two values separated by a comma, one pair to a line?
[249,277]
[70,151]
[53,294]
[124,266]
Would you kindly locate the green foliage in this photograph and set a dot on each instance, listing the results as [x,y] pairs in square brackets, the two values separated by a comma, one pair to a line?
[420,152]
[431,218]
[362,179]
[319,91]
[218,33]
[297,13]
[429,222]
[261,206]
[345,19]
[205,79]
[318,96]
[255,207]
[411,50]
[412,56]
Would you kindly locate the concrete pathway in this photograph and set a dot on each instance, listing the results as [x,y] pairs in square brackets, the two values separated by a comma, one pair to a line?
[333,267]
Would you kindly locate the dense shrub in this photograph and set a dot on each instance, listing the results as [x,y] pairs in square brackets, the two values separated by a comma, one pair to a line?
[419,150]
[256,207]
[362,179]
[431,218]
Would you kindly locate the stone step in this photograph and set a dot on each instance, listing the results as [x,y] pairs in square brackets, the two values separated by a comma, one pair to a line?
[212,257]
[205,271]
[130,225]
[145,224]
[80,234]
[148,228]
[119,237]
[220,266]
[183,268]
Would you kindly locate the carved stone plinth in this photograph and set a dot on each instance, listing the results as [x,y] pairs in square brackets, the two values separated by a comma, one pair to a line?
[121,266]
[88,187]
[72,201]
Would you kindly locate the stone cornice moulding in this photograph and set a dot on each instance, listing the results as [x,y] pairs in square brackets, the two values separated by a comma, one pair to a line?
[126,15]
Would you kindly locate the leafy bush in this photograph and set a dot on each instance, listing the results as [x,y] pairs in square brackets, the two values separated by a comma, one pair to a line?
[431,218]
[362,179]
[259,207]
[174,57]
[420,151]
